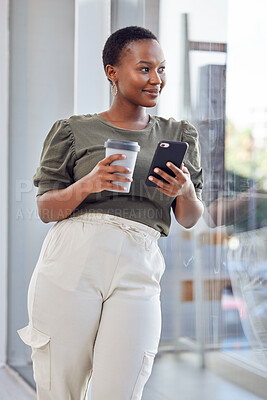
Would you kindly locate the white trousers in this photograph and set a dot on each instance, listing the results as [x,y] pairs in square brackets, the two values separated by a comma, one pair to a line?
[94,309]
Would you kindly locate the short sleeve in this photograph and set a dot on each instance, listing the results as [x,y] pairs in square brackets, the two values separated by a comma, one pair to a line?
[57,159]
[192,157]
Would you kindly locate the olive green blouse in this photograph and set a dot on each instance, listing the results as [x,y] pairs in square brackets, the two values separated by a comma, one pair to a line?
[74,146]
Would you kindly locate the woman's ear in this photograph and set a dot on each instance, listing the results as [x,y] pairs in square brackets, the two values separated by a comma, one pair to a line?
[111,73]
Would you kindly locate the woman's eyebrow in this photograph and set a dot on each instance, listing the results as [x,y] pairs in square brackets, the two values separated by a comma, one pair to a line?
[144,62]
[149,63]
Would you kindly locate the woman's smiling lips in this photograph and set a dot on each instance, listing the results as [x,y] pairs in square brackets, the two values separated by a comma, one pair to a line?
[151,92]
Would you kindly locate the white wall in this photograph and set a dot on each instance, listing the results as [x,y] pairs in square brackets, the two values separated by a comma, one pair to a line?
[41,91]
[92,27]
[3,173]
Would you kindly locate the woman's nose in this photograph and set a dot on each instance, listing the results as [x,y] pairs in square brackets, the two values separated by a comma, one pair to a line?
[155,78]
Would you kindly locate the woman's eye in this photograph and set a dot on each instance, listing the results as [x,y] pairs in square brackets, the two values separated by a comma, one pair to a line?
[145,69]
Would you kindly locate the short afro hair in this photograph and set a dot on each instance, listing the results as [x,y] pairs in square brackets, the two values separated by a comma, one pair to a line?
[118,40]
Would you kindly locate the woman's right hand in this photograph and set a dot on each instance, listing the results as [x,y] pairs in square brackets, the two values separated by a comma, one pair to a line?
[56,205]
[100,177]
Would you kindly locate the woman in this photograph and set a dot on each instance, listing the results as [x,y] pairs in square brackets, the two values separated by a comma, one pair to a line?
[93,301]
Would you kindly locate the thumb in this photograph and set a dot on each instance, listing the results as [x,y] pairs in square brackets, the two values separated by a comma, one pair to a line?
[184,169]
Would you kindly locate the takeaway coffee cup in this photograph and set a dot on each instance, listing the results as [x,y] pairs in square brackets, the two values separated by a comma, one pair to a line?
[130,149]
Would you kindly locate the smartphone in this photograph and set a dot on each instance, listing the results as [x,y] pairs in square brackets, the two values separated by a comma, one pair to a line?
[167,150]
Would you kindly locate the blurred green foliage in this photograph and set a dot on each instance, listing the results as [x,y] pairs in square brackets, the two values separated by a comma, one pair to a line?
[245,157]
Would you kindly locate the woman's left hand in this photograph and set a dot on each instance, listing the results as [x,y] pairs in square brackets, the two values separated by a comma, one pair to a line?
[176,186]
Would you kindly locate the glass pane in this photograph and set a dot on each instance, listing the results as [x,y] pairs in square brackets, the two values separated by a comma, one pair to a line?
[245,204]
[214,288]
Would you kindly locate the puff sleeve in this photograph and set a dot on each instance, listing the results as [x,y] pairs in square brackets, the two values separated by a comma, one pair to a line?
[192,157]
[57,159]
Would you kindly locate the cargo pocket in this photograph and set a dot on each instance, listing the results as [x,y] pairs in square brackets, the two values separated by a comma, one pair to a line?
[143,376]
[40,344]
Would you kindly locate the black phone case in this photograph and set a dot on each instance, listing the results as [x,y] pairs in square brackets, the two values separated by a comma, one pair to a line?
[174,153]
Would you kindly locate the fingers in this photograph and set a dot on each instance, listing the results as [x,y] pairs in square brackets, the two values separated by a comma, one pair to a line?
[118,177]
[118,188]
[115,178]
[164,175]
[167,177]
[159,182]
[115,168]
[177,171]
[118,168]
[169,189]
[172,184]
[108,160]
[184,169]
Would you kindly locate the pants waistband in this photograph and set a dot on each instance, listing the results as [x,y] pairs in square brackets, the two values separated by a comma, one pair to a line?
[123,223]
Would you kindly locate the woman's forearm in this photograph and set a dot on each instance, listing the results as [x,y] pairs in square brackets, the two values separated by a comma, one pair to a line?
[56,205]
[188,209]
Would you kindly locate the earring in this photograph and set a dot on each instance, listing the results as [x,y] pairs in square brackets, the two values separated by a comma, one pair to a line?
[114,89]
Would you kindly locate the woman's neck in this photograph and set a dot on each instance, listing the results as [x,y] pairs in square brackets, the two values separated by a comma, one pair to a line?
[135,118]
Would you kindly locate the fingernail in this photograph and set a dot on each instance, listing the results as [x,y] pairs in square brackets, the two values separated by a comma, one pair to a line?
[156,170]
[169,164]
[150,178]
[123,156]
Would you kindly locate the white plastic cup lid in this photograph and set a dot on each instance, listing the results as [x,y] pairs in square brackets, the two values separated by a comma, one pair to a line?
[122,145]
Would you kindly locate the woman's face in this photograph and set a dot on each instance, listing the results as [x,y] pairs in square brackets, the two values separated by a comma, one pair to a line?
[141,73]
